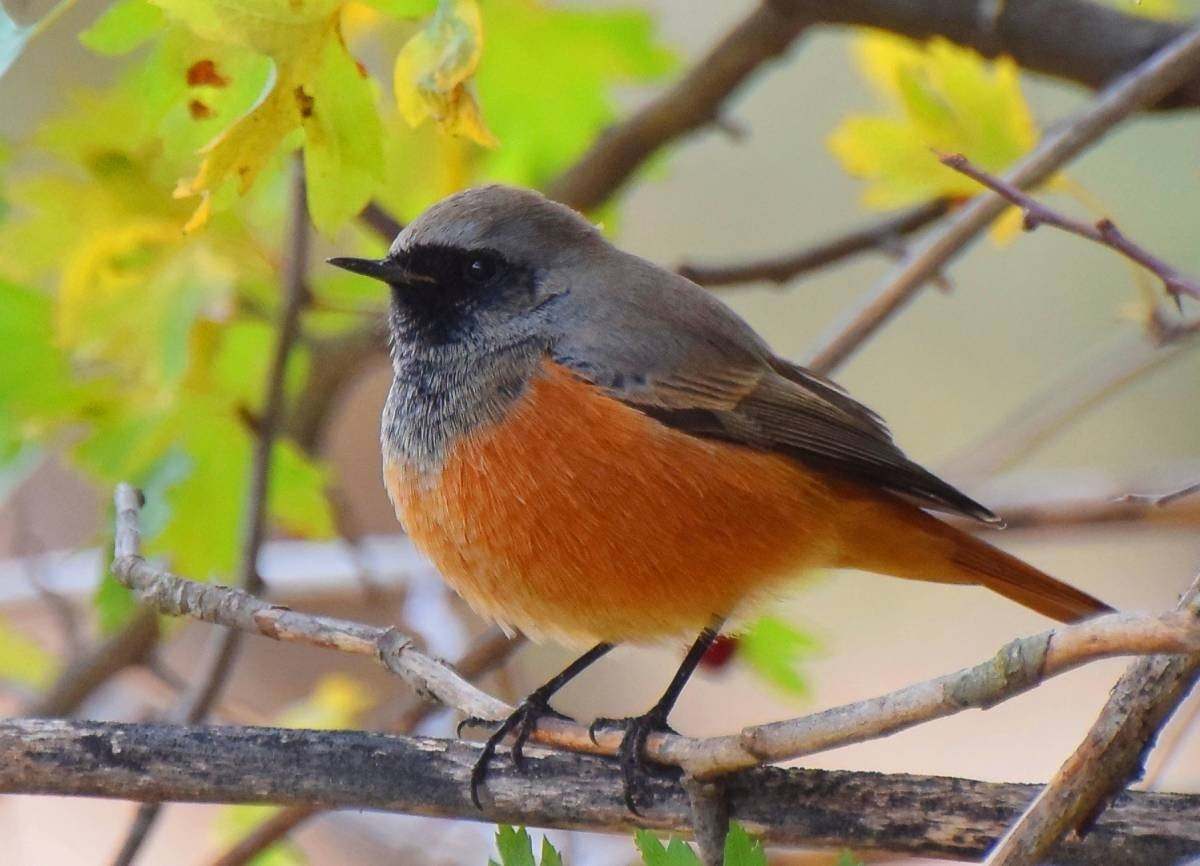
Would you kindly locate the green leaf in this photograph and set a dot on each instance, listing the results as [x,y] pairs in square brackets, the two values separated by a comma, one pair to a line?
[845,858]
[37,389]
[550,855]
[236,822]
[343,154]
[114,604]
[23,660]
[741,849]
[122,27]
[515,846]
[404,8]
[676,852]
[775,650]
[584,53]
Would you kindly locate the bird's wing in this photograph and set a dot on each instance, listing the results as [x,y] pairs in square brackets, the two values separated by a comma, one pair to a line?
[694,365]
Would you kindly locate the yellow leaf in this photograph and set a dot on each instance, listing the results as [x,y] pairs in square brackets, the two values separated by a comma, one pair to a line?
[316,87]
[242,150]
[337,701]
[434,68]
[24,661]
[1161,9]
[938,97]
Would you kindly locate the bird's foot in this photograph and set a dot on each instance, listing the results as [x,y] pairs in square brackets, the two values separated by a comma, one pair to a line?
[635,769]
[523,720]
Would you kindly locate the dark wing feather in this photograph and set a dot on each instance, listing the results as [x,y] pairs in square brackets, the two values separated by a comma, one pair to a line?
[660,343]
[785,408]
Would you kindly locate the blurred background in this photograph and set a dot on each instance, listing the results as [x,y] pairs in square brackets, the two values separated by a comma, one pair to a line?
[1025,317]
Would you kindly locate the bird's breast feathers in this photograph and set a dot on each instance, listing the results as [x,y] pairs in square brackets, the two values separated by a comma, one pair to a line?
[579,518]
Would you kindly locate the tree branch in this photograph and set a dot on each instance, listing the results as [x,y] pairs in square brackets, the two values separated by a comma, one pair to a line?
[1112,754]
[222,649]
[881,234]
[1085,42]
[487,652]
[1019,666]
[1165,70]
[131,645]
[1104,232]
[693,102]
[349,769]
[1162,500]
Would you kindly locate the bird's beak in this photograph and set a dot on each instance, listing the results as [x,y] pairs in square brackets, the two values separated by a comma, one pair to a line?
[379,269]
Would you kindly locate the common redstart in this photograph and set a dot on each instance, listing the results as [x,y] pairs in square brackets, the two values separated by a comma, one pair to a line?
[596,450]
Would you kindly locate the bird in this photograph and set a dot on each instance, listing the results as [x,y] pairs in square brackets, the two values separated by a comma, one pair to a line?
[594,450]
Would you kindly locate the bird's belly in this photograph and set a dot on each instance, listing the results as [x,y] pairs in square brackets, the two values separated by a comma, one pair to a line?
[581,519]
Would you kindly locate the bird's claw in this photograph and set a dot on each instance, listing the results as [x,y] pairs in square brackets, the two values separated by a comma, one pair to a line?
[631,754]
[523,720]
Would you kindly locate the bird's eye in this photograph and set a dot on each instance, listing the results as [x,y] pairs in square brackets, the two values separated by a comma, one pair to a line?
[480,269]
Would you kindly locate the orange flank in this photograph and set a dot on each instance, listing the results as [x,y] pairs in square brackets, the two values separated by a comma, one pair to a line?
[581,519]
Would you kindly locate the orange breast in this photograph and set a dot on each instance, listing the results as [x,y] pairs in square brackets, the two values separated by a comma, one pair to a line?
[581,519]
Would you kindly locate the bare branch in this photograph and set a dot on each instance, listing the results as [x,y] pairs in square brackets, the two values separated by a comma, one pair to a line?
[930,816]
[222,649]
[1104,232]
[1111,755]
[267,834]
[1019,666]
[243,612]
[131,645]
[1162,500]
[377,218]
[882,234]
[1041,512]
[1164,71]
[1086,42]
[486,652]
[693,102]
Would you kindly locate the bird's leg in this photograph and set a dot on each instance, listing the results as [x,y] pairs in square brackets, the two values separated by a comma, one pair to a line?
[631,753]
[524,718]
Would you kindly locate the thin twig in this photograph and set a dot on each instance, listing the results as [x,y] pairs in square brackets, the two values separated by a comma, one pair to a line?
[1018,666]
[376,217]
[1159,75]
[1103,232]
[1110,756]
[690,104]
[919,815]
[1162,500]
[222,649]
[130,645]
[879,235]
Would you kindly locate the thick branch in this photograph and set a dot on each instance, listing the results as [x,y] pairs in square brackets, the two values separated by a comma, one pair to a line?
[348,769]
[1110,757]
[882,234]
[488,651]
[1019,666]
[1173,64]
[1086,42]
[693,102]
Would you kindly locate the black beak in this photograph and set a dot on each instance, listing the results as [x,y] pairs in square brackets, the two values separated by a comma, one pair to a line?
[379,269]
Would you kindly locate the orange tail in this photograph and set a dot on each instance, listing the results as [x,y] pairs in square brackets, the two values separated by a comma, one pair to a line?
[903,541]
